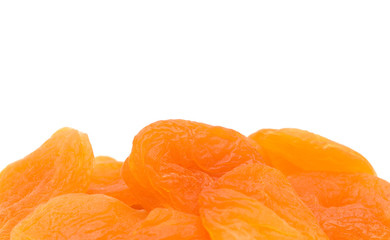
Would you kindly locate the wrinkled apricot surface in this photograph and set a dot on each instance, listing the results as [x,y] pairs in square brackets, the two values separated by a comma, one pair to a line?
[107,179]
[293,150]
[228,214]
[195,181]
[172,161]
[256,200]
[63,164]
[347,205]
[170,224]
[79,216]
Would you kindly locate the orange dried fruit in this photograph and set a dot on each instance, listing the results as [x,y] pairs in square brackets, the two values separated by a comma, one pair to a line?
[347,205]
[293,151]
[79,216]
[199,182]
[260,199]
[63,164]
[173,160]
[107,179]
[228,214]
[163,223]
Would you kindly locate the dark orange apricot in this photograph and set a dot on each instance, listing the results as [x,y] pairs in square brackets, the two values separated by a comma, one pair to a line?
[293,151]
[79,216]
[173,160]
[107,179]
[63,164]
[347,205]
[268,190]
[170,224]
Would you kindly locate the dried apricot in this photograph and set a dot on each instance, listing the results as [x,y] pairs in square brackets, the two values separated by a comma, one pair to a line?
[107,179]
[173,160]
[228,214]
[63,164]
[293,151]
[348,205]
[163,223]
[79,216]
[195,181]
[260,200]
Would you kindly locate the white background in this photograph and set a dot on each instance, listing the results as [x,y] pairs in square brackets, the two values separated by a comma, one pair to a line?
[109,68]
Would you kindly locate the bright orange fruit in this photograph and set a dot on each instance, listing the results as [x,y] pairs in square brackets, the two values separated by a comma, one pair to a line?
[107,179]
[293,151]
[63,164]
[79,216]
[170,224]
[173,160]
[348,205]
[195,181]
[228,214]
[254,201]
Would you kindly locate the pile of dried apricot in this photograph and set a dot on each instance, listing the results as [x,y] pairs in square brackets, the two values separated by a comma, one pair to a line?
[189,180]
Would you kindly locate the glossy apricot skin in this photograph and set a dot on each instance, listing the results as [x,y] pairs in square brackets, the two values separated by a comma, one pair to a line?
[294,151]
[106,179]
[173,160]
[347,205]
[255,200]
[79,216]
[63,164]
[170,224]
